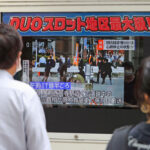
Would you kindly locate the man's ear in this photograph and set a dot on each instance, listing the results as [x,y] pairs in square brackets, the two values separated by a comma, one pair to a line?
[18,58]
[19,54]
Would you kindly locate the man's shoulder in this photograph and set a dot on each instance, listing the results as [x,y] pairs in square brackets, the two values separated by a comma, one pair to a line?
[22,87]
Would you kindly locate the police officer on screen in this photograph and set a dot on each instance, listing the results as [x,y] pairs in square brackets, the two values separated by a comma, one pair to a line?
[63,69]
[50,63]
[106,70]
[100,63]
[81,67]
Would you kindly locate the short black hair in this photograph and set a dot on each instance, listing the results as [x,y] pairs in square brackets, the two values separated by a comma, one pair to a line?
[10,44]
[142,84]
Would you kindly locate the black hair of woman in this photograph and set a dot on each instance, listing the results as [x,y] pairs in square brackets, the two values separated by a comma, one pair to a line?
[142,86]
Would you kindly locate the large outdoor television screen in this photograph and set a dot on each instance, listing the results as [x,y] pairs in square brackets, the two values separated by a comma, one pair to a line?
[80,71]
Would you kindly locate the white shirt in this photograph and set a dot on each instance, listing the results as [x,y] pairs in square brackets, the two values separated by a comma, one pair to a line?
[42,50]
[121,58]
[62,59]
[42,60]
[22,120]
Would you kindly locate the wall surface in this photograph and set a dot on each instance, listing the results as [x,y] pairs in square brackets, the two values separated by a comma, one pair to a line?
[77,141]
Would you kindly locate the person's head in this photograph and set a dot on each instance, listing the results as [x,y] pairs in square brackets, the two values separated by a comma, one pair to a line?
[10,48]
[48,58]
[104,60]
[142,86]
[129,72]
[99,60]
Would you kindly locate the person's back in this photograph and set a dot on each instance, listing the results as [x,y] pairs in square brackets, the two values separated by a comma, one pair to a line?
[22,120]
[52,62]
[20,116]
[108,67]
[133,137]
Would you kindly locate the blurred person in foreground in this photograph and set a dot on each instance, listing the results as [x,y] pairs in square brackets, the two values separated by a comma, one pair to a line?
[136,137]
[22,120]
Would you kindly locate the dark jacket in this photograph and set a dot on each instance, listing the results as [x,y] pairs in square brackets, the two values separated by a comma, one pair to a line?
[99,65]
[131,138]
[119,140]
[108,68]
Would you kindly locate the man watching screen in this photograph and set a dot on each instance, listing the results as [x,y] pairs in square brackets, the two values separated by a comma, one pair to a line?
[22,120]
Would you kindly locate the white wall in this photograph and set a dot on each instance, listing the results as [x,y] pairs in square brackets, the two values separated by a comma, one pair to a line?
[78,141]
